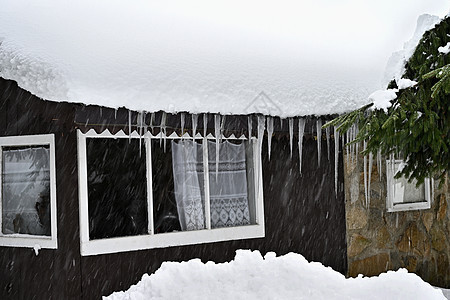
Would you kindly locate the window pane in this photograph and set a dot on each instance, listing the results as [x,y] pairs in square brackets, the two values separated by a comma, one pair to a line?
[187,174]
[117,187]
[26,190]
[165,213]
[404,191]
[231,184]
[407,192]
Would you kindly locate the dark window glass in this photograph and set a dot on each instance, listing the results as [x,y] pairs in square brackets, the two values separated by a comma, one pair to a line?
[117,187]
[165,212]
[26,190]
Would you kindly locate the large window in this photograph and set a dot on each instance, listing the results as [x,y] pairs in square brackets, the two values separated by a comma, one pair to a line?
[403,195]
[149,192]
[27,191]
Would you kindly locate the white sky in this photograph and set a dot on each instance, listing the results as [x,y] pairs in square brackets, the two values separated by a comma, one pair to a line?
[197,49]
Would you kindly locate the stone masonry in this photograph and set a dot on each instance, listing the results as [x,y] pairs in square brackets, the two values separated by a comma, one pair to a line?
[378,241]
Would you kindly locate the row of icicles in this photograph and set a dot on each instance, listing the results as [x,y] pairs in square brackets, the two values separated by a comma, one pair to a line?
[265,123]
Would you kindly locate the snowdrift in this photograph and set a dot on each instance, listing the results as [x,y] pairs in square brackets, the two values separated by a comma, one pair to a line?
[291,276]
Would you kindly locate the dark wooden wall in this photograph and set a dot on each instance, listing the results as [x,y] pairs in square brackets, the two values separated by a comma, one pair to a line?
[53,274]
[302,213]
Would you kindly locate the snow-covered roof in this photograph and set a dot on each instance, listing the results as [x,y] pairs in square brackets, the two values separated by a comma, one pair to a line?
[283,58]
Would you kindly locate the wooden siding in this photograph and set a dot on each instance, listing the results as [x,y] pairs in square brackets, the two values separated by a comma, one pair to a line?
[302,213]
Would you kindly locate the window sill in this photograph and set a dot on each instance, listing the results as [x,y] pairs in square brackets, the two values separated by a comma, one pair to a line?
[171,239]
[409,206]
[28,241]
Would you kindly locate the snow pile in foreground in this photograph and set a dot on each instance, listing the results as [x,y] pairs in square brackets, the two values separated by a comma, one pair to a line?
[251,276]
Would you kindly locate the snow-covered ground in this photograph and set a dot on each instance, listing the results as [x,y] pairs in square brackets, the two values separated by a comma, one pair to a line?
[291,276]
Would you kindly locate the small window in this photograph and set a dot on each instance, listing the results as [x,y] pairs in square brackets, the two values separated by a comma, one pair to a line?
[153,191]
[403,195]
[28,196]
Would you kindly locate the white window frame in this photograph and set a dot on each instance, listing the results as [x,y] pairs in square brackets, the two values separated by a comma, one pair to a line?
[160,240]
[394,207]
[28,240]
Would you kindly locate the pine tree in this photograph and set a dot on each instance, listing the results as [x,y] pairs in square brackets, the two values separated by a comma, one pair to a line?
[416,127]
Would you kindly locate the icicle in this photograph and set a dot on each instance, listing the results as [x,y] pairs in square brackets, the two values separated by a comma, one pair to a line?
[205,125]
[182,116]
[327,134]
[152,121]
[261,127]
[162,130]
[319,139]
[129,126]
[357,144]
[217,134]
[250,129]
[301,131]
[365,173]
[115,113]
[269,133]
[281,123]
[101,112]
[222,126]
[432,190]
[140,121]
[370,176]
[291,133]
[194,125]
[350,139]
[336,157]
[354,155]
[379,163]
[347,147]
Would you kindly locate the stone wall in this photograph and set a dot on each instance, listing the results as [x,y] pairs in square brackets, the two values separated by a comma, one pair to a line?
[377,240]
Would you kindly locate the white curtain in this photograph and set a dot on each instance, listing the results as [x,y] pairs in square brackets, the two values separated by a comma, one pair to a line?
[228,185]
[187,161]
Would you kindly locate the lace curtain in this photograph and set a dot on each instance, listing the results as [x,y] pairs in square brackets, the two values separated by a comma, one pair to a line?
[187,162]
[227,184]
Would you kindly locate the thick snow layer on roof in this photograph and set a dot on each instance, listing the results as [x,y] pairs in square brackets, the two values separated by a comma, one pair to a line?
[396,63]
[281,58]
[251,276]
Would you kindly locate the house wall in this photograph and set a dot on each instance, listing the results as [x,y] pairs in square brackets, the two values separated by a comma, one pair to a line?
[53,273]
[418,240]
[302,212]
